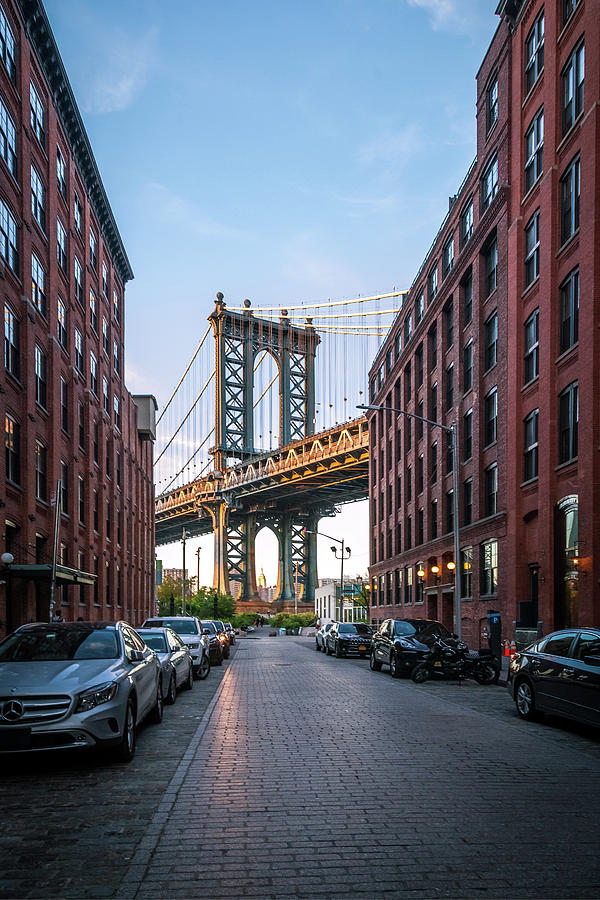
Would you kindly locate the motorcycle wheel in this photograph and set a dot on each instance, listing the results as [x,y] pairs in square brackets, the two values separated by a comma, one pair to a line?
[420,673]
[487,674]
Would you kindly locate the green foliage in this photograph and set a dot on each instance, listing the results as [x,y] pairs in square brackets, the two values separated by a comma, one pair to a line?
[287,620]
[243,619]
[200,605]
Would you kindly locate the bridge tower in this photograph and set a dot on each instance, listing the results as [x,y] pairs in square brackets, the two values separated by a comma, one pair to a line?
[239,337]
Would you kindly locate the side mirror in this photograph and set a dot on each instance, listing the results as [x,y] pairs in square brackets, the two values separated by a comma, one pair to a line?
[206,631]
[136,656]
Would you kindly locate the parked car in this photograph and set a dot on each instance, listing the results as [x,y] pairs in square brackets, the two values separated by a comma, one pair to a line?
[344,638]
[215,645]
[320,636]
[77,685]
[177,670]
[223,637]
[402,643]
[559,674]
[230,633]
[189,630]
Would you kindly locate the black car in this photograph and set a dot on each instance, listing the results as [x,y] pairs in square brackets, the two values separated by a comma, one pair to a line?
[402,643]
[223,637]
[215,650]
[344,638]
[559,674]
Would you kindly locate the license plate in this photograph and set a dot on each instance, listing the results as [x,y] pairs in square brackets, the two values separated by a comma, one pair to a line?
[362,647]
[15,738]
[437,665]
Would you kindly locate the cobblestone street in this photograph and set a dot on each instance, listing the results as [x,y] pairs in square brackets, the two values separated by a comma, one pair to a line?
[311,776]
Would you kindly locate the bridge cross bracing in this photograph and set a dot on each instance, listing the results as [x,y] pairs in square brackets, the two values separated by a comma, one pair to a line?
[261,432]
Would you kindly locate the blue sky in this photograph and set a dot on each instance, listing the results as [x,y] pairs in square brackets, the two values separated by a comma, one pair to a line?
[281,151]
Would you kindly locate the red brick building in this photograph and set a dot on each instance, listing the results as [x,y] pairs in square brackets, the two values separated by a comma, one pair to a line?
[488,338]
[68,417]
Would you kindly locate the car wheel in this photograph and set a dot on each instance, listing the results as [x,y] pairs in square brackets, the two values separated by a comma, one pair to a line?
[188,684]
[172,692]
[317,648]
[487,674]
[156,713]
[394,667]
[420,673]
[525,699]
[204,667]
[126,749]
[328,649]
[374,663]
[338,652]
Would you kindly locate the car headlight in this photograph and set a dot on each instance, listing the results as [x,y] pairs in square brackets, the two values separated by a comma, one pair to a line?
[193,646]
[102,693]
[405,645]
[222,637]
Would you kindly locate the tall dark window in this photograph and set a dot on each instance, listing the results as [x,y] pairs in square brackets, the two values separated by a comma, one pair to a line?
[449,511]
[64,486]
[420,534]
[449,323]
[466,558]
[568,8]
[64,404]
[466,223]
[490,341]
[419,425]
[468,501]
[7,47]
[467,435]
[530,450]
[37,116]
[40,471]
[408,327]
[467,296]
[448,256]
[572,87]
[419,365]
[407,384]
[489,183]
[61,323]
[433,525]
[468,366]
[12,444]
[8,139]
[40,377]
[433,463]
[61,172]
[12,342]
[489,567]
[433,403]
[96,511]
[408,484]
[491,490]
[531,357]
[491,417]
[433,346]
[569,201]
[449,453]
[81,424]
[419,307]
[432,283]
[532,248]
[38,199]
[81,498]
[569,311]
[450,386]
[78,275]
[8,237]
[534,53]
[61,245]
[492,103]
[534,150]
[420,474]
[38,284]
[568,420]
[490,259]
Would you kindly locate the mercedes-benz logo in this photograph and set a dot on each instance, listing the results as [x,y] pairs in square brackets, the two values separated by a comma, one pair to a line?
[12,711]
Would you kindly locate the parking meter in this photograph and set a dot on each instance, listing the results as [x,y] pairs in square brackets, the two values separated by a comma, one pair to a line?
[495,632]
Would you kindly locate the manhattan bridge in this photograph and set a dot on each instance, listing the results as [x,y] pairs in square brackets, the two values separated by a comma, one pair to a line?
[262,431]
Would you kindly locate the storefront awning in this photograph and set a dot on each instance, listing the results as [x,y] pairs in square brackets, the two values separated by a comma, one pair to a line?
[64,575]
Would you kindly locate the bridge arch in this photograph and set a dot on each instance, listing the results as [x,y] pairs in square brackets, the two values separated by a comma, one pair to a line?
[267,418]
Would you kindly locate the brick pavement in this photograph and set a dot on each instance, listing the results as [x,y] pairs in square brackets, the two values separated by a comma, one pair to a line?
[327,779]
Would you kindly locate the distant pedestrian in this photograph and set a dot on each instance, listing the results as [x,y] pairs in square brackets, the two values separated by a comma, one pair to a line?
[57,616]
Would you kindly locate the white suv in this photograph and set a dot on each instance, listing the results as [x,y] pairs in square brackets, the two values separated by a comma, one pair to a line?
[190,631]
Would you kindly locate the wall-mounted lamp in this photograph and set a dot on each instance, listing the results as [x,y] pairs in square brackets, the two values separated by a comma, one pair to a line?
[435,570]
[421,573]
[451,566]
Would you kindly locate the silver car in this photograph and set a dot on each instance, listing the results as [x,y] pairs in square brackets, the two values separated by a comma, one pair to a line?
[190,631]
[75,685]
[175,660]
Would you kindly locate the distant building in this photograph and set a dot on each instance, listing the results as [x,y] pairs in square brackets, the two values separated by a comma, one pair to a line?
[175,574]
[68,417]
[327,601]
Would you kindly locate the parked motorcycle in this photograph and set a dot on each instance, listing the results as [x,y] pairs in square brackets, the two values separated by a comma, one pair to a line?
[446,660]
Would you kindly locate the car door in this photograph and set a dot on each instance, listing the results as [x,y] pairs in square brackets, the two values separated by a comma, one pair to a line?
[179,657]
[142,671]
[583,694]
[330,639]
[551,671]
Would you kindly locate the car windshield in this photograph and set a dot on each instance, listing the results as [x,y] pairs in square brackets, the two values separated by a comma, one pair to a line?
[354,628]
[180,626]
[210,627]
[433,629]
[156,642]
[59,644]
[219,625]
[405,628]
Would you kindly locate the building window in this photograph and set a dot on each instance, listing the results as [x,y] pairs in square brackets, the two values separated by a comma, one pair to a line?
[466,223]
[93,312]
[489,183]
[61,172]
[12,342]
[532,331]
[105,337]
[432,283]
[61,323]
[420,474]
[448,256]
[466,286]
[7,46]
[96,517]
[408,533]
[81,424]
[117,412]
[40,470]
[466,559]
[64,405]
[419,307]
[61,245]
[449,323]
[40,377]
[433,525]
[490,255]
[408,584]
[81,499]
[432,405]
[568,420]
[38,199]
[104,279]
[8,139]
[78,282]
[534,150]
[37,115]
[408,484]
[407,328]
[433,463]
[78,351]
[419,425]
[77,212]
[96,439]
[492,103]
[419,365]
[449,453]
[534,53]
[38,284]
[398,345]
[420,533]
[569,201]
[93,374]
[532,249]
[569,311]
[468,501]
[449,511]
[64,486]
[491,490]
[8,238]
[489,567]
[433,347]
[105,400]
[467,435]
[490,331]
[572,88]
[530,453]
[116,311]
[468,367]
[491,417]
[450,386]
[569,7]
[12,444]
[118,471]
[93,250]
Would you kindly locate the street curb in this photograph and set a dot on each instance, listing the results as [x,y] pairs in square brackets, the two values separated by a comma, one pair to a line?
[133,878]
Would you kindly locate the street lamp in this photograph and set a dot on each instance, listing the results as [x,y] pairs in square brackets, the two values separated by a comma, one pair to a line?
[341,557]
[453,432]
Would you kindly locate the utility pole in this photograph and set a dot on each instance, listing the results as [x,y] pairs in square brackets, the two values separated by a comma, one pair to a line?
[198,569]
[57,510]
[183,537]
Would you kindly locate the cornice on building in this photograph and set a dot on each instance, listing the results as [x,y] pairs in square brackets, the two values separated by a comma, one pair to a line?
[43,43]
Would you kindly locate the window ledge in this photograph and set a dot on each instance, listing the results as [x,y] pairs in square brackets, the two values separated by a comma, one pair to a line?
[533,190]
[531,482]
[570,133]
[568,243]
[570,463]
[564,356]
[531,286]
[530,384]
[532,90]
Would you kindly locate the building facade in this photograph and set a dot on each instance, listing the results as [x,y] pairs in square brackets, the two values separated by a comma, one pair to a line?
[72,429]
[488,338]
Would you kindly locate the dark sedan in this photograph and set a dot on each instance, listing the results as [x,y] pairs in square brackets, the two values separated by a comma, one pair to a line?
[402,643]
[559,674]
[214,644]
[344,638]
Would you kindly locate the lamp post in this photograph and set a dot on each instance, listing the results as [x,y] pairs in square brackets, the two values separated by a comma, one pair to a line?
[345,550]
[198,569]
[453,432]
[183,539]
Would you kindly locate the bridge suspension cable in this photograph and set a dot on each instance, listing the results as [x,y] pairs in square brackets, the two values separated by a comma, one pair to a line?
[189,366]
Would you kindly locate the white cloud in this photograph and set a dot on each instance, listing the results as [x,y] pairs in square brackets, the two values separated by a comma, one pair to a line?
[166,205]
[125,65]
[454,15]
[391,149]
